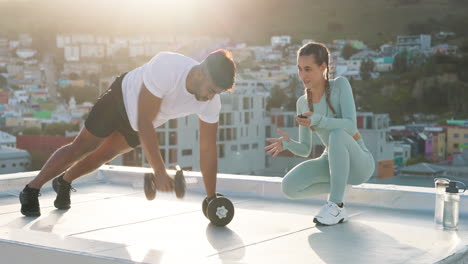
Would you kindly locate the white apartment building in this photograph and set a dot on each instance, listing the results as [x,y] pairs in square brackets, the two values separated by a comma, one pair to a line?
[280,40]
[13,160]
[419,42]
[241,134]
[72,53]
[7,140]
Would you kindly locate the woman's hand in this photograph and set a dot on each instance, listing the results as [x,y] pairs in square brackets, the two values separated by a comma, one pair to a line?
[304,121]
[277,146]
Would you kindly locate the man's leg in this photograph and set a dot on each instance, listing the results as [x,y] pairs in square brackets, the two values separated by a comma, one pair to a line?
[60,161]
[113,146]
[66,156]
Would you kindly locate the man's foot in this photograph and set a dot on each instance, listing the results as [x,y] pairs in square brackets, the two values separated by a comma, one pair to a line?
[29,199]
[63,189]
[331,214]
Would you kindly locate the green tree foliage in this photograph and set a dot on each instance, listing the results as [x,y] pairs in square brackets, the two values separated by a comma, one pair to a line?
[348,51]
[81,94]
[30,131]
[400,63]
[367,66]
[58,129]
[3,82]
[439,87]
[277,99]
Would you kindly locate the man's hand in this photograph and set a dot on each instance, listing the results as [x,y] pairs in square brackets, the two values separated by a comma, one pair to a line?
[163,182]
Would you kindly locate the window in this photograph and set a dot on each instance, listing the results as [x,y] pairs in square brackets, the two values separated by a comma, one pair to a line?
[186,152]
[221,134]
[173,123]
[245,147]
[268,131]
[228,134]
[161,138]
[247,117]
[234,148]
[251,102]
[456,135]
[466,136]
[3,165]
[255,146]
[369,122]
[221,119]
[172,138]
[14,164]
[221,151]
[228,119]
[245,103]
[455,145]
[234,133]
[172,155]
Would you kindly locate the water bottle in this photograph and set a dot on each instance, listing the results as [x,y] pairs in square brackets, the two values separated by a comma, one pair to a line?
[440,185]
[451,209]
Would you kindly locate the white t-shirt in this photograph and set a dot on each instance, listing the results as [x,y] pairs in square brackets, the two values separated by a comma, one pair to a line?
[165,77]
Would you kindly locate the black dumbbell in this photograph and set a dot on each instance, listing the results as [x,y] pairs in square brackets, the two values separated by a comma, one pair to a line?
[219,210]
[205,204]
[150,184]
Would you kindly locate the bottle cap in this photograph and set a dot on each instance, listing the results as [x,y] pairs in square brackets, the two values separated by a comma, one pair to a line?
[452,188]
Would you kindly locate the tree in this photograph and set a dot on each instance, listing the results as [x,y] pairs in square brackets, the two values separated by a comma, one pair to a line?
[400,64]
[348,51]
[277,99]
[3,82]
[30,131]
[58,129]
[367,67]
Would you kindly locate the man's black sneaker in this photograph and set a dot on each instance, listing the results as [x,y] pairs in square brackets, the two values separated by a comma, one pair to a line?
[63,189]
[29,199]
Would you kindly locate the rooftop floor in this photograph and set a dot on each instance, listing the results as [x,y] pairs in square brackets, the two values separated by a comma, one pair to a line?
[112,222]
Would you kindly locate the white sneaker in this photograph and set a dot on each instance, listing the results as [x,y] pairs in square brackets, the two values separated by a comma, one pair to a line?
[331,214]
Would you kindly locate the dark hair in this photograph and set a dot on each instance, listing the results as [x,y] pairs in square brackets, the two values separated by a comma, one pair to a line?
[222,68]
[321,55]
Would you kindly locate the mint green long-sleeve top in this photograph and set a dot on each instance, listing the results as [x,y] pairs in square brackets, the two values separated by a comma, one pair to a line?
[323,120]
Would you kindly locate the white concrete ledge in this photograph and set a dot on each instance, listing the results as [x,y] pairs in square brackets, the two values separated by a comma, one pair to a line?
[374,195]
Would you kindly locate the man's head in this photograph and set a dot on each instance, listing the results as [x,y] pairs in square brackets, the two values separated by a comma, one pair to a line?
[214,75]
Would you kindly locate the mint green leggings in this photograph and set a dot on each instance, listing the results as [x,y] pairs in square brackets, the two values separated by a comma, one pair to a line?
[348,162]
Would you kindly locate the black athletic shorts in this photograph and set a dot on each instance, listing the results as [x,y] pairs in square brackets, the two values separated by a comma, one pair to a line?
[108,115]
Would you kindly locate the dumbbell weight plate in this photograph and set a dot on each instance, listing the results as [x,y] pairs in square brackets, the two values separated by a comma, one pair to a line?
[205,204]
[179,184]
[220,211]
[149,186]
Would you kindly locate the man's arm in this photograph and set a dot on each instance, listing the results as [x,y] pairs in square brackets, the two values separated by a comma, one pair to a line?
[148,109]
[208,156]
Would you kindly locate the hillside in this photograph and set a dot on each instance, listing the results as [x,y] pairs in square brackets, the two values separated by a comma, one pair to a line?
[374,21]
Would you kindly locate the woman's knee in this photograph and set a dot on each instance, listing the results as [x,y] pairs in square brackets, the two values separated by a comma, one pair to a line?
[288,189]
[337,133]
